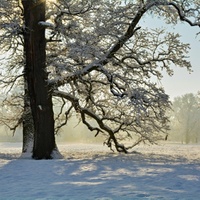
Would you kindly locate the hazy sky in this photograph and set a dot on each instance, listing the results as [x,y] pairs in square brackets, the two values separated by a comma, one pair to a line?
[182,82]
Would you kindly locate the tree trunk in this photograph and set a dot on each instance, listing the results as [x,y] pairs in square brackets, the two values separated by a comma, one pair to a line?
[28,126]
[35,70]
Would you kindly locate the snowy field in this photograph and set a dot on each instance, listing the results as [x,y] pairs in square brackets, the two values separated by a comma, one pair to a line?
[88,172]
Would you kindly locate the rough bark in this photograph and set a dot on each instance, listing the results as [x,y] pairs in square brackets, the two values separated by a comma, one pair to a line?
[35,71]
[28,126]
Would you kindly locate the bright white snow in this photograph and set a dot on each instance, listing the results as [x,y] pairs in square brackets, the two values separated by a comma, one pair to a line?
[168,171]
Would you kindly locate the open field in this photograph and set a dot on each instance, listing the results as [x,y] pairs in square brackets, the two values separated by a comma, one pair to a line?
[167,171]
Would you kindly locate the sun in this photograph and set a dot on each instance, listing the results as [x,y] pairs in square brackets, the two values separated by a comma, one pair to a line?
[51,1]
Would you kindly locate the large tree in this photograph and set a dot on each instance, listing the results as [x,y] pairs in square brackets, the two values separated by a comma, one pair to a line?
[36,75]
[103,65]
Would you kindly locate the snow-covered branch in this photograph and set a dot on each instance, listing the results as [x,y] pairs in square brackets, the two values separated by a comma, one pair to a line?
[183,14]
[85,113]
[106,58]
[46,24]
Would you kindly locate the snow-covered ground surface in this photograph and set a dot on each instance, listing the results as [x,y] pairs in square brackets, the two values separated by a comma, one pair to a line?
[88,172]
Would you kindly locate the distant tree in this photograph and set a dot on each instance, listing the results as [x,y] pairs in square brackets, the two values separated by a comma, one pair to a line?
[102,64]
[186,118]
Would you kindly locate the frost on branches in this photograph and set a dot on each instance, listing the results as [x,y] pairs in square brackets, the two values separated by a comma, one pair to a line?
[105,66]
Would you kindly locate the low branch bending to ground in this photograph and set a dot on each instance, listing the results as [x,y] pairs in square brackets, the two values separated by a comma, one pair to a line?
[85,112]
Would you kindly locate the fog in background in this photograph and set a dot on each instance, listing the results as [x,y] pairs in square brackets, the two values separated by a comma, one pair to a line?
[73,132]
[184,116]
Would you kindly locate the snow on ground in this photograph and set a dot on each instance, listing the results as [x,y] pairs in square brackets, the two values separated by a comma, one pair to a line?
[88,172]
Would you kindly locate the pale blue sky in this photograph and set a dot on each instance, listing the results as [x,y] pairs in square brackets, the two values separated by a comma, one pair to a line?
[182,82]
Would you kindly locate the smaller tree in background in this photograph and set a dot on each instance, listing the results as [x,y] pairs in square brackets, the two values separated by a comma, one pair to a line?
[15,108]
[185,118]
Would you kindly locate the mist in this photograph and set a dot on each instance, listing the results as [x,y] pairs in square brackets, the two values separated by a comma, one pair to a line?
[184,126]
[73,132]
[77,132]
[7,135]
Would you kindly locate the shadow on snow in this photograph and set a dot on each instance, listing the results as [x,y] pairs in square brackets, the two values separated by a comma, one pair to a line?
[100,176]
